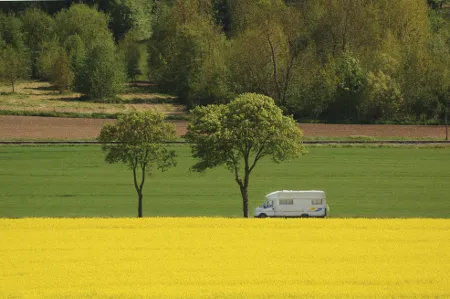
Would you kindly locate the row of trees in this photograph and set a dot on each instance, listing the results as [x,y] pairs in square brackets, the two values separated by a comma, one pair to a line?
[74,49]
[335,60]
[236,135]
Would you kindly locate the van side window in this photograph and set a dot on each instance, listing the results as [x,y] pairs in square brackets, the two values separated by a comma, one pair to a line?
[316,201]
[286,201]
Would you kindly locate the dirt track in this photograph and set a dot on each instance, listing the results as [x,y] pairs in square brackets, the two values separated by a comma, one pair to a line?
[19,127]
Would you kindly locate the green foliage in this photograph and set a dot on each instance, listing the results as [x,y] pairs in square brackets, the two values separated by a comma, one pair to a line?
[137,139]
[384,100]
[62,75]
[11,31]
[350,88]
[187,53]
[38,29]
[88,23]
[14,65]
[46,57]
[240,134]
[311,56]
[76,51]
[131,51]
[131,16]
[280,35]
[102,74]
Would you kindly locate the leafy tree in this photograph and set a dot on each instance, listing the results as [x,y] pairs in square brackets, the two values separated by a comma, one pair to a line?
[14,65]
[131,52]
[102,74]
[137,140]
[131,15]
[187,53]
[439,76]
[11,31]
[90,24]
[350,88]
[46,57]
[62,75]
[384,100]
[76,52]
[240,134]
[280,35]
[38,28]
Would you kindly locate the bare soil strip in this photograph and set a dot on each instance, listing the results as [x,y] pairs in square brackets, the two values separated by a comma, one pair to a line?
[31,127]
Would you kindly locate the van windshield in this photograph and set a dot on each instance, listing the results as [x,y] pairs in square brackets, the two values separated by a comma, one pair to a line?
[268,204]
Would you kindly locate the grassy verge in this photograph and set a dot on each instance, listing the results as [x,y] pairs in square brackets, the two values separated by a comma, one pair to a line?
[74,181]
[40,98]
[369,138]
[77,114]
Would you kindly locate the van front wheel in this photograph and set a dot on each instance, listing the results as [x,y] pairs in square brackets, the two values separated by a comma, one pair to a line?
[262,215]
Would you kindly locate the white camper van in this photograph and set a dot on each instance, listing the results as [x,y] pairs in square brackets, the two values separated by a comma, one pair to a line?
[289,203]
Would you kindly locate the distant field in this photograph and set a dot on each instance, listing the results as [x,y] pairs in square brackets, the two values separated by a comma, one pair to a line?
[73,181]
[200,258]
[34,127]
[42,97]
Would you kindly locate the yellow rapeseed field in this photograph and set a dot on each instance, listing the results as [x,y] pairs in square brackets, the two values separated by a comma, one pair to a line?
[224,258]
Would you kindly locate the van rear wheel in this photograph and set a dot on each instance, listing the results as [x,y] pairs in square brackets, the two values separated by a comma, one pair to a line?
[262,215]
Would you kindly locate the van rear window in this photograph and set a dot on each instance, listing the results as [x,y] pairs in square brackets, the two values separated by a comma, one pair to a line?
[316,201]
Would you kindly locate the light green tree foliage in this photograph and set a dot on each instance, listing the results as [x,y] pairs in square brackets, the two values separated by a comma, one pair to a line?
[84,34]
[345,25]
[62,75]
[90,24]
[14,65]
[38,29]
[46,57]
[187,52]
[11,31]
[131,52]
[280,34]
[132,15]
[241,133]
[439,74]
[102,75]
[383,100]
[351,83]
[137,140]
[76,51]
[314,86]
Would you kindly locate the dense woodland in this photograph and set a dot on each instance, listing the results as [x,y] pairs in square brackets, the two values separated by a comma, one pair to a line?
[328,60]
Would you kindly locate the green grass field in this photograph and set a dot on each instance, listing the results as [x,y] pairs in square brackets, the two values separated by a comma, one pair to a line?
[74,181]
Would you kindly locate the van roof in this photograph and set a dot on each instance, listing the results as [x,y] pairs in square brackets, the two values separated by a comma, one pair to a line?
[295,193]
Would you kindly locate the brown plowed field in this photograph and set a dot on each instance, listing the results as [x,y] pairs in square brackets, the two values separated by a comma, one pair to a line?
[29,127]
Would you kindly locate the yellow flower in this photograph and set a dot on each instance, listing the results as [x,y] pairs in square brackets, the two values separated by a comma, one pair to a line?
[224,258]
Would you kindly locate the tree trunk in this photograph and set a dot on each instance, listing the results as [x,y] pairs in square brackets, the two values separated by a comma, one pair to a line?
[446,126]
[140,205]
[244,189]
[244,193]
[12,84]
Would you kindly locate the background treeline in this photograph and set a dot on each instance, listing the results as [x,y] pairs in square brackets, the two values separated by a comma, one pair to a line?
[328,60]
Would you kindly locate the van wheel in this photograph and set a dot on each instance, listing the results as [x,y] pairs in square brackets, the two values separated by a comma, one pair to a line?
[304,215]
[262,215]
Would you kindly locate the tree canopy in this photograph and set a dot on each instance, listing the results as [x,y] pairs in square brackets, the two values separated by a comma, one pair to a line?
[138,140]
[241,133]
[327,60]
